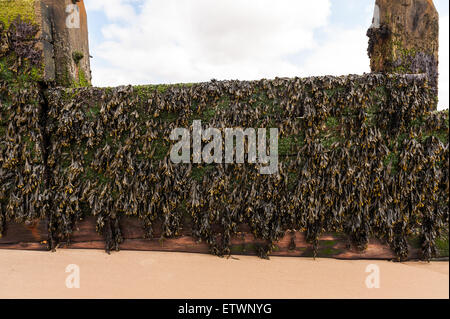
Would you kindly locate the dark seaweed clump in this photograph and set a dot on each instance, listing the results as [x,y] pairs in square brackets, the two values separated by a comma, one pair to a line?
[360,155]
[22,195]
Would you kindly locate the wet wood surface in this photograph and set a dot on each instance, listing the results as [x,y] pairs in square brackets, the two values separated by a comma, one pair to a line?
[293,244]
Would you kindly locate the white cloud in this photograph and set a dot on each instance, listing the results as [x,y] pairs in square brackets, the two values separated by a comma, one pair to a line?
[114,10]
[188,41]
[344,51]
[168,41]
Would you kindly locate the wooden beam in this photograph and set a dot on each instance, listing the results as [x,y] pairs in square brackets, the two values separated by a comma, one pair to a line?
[293,244]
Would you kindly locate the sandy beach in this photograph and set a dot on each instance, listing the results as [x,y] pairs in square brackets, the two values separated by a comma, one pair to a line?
[128,274]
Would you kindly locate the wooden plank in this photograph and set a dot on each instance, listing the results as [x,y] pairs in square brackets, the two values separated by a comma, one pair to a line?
[31,232]
[293,244]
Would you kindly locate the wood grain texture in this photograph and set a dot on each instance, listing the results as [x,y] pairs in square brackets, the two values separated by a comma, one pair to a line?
[293,244]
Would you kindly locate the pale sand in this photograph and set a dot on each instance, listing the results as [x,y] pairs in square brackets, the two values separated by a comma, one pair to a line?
[127,274]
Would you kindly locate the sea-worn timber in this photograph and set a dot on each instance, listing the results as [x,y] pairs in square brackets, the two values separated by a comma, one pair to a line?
[62,37]
[363,164]
[404,38]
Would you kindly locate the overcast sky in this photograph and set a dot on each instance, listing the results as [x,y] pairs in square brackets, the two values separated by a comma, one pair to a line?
[173,41]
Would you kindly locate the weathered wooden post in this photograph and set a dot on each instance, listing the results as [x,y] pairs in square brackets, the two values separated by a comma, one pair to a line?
[63,37]
[404,38]
[70,41]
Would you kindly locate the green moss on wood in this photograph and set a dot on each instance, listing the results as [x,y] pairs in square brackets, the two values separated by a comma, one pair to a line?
[329,252]
[77,56]
[82,80]
[442,246]
[11,9]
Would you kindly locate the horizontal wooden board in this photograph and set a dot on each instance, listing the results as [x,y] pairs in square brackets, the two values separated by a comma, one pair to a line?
[293,244]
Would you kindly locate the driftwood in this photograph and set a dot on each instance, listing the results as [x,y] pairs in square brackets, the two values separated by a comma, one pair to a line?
[293,244]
